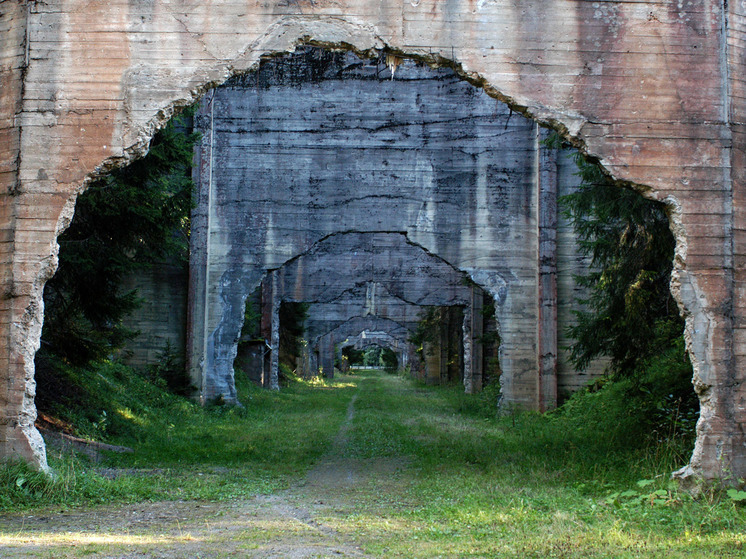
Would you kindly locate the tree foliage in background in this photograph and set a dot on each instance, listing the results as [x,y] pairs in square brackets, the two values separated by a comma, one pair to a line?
[292,327]
[629,313]
[428,329]
[129,220]
[354,356]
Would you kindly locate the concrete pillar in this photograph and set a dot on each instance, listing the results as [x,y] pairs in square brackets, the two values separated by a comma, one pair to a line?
[326,356]
[199,254]
[431,354]
[400,358]
[445,318]
[274,365]
[304,361]
[473,330]
[547,280]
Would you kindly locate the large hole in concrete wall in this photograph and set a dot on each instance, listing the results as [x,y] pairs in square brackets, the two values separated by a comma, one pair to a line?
[321,143]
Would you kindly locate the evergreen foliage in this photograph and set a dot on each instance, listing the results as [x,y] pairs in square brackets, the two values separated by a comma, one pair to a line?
[629,314]
[133,218]
[354,356]
[292,325]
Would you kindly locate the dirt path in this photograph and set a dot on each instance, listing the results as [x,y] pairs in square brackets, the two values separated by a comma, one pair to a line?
[296,523]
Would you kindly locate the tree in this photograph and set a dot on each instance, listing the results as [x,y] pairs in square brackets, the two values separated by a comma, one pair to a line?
[132,218]
[629,313]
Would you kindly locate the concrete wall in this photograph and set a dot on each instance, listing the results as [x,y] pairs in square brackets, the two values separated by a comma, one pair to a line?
[655,91]
[322,143]
[161,319]
[335,272]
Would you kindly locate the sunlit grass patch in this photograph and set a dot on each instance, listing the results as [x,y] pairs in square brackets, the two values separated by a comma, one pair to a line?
[416,474]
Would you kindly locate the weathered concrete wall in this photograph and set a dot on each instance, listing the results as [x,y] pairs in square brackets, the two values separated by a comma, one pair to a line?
[330,269]
[297,154]
[24,264]
[336,270]
[327,316]
[162,317]
[655,91]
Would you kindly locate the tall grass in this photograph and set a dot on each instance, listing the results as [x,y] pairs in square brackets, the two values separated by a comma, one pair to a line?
[461,481]
[181,450]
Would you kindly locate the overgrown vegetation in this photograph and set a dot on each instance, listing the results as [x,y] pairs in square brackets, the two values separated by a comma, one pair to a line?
[459,480]
[181,449]
[292,326]
[134,218]
[571,484]
[629,315]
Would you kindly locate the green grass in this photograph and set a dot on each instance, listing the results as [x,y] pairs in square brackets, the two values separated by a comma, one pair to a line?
[467,483]
[182,450]
[524,486]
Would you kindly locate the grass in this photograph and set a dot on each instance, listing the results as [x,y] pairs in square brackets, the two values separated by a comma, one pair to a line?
[182,450]
[467,483]
[525,486]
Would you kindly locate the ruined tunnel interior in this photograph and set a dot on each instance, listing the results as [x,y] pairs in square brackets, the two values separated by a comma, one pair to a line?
[323,143]
[371,197]
[423,188]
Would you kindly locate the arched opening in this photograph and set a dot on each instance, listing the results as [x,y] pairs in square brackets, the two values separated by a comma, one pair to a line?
[691,300]
[244,182]
[381,277]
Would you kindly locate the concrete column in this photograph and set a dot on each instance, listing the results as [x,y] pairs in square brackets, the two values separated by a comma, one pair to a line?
[415,365]
[326,356]
[199,258]
[473,330]
[403,356]
[547,281]
[431,353]
[400,353]
[304,361]
[274,365]
[445,318]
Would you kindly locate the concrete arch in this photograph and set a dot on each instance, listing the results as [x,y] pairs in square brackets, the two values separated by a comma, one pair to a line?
[406,275]
[477,205]
[354,326]
[620,81]
[324,318]
[349,332]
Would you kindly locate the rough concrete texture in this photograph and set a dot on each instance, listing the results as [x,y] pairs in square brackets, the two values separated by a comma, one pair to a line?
[655,90]
[321,143]
[161,319]
[324,317]
[343,276]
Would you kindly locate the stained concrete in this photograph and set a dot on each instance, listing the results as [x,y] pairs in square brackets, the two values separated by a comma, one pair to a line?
[333,274]
[654,91]
[322,143]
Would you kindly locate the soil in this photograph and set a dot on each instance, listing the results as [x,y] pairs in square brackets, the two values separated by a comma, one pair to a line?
[295,523]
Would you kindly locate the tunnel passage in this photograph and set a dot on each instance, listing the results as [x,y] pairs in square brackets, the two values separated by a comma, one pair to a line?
[322,142]
[361,330]
[654,91]
[409,276]
[381,341]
